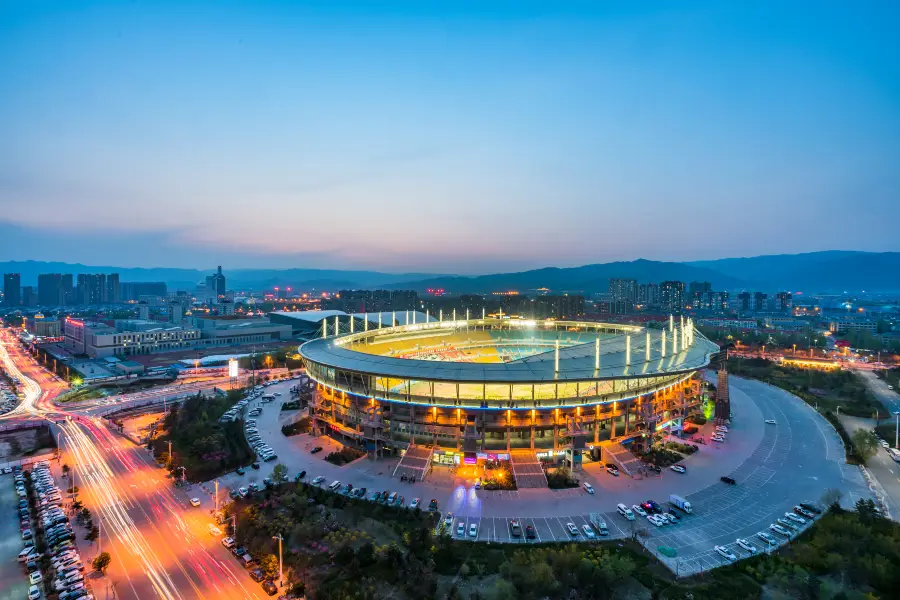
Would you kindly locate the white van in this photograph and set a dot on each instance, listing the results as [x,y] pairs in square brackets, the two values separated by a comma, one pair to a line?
[625,512]
[334,485]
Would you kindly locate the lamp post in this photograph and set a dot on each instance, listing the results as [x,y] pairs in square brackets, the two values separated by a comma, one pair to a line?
[280,539]
[897,430]
[217,495]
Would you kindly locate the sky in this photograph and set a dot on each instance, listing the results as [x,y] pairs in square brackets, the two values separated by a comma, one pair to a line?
[453,137]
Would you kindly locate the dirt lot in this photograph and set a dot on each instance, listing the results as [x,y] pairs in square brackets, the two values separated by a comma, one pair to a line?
[19,444]
[138,427]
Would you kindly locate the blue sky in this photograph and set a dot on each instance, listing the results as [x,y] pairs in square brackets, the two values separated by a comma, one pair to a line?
[468,138]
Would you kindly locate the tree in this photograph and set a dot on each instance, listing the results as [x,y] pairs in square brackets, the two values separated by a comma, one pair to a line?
[269,564]
[832,498]
[279,474]
[868,512]
[92,534]
[65,470]
[77,505]
[84,515]
[865,444]
[101,563]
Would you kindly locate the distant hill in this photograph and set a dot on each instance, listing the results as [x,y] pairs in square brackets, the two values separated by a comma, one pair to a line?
[834,271]
[587,279]
[831,271]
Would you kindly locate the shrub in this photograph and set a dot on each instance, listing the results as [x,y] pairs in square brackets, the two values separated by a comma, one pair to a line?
[345,455]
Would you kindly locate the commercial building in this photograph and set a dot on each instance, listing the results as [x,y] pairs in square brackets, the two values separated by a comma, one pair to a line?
[850,324]
[131,291]
[12,289]
[496,385]
[222,331]
[126,338]
[40,326]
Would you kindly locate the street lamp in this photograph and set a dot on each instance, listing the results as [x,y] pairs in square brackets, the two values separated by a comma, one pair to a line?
[217,495]
[280,539]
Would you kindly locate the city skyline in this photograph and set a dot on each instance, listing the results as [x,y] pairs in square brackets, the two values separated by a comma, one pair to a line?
[401,138]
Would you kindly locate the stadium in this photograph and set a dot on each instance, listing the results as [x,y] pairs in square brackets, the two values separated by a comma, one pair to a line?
[470,389]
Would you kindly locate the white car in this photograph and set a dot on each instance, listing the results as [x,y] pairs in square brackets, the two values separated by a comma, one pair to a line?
[195,501]
[786,524]
[770,422]
[318,480]
[588,532]
[638,510]
[34,593]
[678,469]
[588,487]
[573,531]
[415,503]
[460,529]
[34,577]
[746,545]
[473,530]
[767,538]
[717,438]
[725,553]
[656,520]
[780,530]
[795,518]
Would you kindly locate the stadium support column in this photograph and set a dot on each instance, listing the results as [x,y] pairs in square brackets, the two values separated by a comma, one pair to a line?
[393,318]
[597,353]
[379,320]
[647,348]
[556,358]
[352,321]
[532,425]
[337,330]
[596,424]
[627,351]
[508,430]
[671,323]
[324,328]
[626,419]
[365,321]
[555,428]
[662,344]
[612,423]
[412,424]
[407,318]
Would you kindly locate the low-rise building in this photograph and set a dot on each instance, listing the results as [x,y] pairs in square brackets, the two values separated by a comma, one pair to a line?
[850,324]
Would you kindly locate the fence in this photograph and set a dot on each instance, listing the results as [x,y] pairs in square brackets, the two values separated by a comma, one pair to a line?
[46,455]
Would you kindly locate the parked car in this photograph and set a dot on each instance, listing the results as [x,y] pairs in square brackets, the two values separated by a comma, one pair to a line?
[725,553]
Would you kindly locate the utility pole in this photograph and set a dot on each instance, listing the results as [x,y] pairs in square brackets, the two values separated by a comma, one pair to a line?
[217,495]
[170,452]
[280,539]
[897,431]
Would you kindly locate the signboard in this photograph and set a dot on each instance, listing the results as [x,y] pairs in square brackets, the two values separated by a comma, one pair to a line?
[233,368]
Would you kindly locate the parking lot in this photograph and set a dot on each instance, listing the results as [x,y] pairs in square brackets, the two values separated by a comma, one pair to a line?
[775,466]
[15,580]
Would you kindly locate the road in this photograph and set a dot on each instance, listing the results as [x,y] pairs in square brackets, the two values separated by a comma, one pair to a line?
[889,398]
[160,544]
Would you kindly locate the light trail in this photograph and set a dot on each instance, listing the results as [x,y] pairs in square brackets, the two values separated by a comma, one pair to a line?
[93,469]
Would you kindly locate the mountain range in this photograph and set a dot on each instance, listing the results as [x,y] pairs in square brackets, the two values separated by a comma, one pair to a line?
[829,271]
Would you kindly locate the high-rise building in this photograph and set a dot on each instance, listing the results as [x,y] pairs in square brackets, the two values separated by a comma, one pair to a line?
[783,301]
[50,289]
[91,288]
[759,301]
[113,293]
[12,289]
[623,289]
[671,295]
[697,291]
[744,301]
[648,294]
[219,282]
[68,288]
[29,296]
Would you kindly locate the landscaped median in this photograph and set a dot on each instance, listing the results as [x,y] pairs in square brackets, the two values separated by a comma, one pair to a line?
[201,443]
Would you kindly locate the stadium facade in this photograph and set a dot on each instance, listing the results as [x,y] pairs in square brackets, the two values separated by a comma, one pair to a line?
[476,387]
